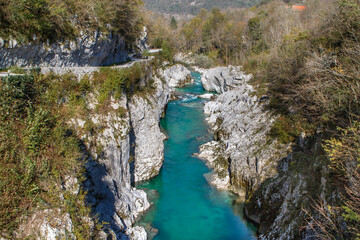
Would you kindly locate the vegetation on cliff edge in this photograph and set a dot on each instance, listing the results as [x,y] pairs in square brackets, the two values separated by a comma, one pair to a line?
[40,150]
[54,20]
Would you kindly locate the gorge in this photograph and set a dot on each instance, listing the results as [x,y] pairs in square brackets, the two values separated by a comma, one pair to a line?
[237,123]
[185,205]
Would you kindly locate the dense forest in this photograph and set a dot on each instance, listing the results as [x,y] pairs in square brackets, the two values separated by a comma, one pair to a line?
[194,7]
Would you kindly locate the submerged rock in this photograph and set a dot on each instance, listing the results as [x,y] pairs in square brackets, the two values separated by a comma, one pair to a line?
[206,96]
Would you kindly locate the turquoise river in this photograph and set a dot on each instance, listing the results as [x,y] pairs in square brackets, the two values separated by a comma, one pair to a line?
[185,205]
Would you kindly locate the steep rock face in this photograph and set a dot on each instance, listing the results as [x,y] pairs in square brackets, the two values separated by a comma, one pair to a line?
[222,79]
[176,76]
[87,50]
[276,185]
[108,171]
[303,180]
[145,113]
[127,147]
[242,154]
[145,116]
[274,206]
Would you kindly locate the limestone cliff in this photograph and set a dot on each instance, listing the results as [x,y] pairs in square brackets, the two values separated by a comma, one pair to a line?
[222,79]
[145,116]
[242,155]
[276,181]
[280,206]
[125,146]
[176,76]
[89,49]
[108,170]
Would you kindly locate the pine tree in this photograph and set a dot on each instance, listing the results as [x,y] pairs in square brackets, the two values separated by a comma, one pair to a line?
[173,23]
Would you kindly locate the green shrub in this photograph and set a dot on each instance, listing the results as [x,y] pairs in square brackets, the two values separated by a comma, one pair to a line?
[259,46]
[37,149]
[343,153]
[167,51]
[289,127]
[282,130]
[203,61]
[254,28]
[16,95]
[115,82]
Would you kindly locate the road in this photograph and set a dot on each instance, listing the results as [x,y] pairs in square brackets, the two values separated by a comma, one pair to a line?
[81,71]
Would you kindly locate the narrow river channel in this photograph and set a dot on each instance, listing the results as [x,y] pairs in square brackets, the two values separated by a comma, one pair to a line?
[185,206]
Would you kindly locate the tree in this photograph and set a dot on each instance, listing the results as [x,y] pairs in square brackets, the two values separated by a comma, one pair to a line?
[41,20]
[192,33]
[173,23]
[342,222]
[254,28]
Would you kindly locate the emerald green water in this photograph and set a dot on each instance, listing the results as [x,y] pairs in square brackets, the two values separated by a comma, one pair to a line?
[185,206]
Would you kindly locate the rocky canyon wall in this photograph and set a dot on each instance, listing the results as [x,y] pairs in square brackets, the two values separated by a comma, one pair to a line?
[89,49]
[126,148]
[276,181]
[241,154]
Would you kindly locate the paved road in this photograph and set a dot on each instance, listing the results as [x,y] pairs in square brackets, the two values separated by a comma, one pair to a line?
[5,74]
[81,71]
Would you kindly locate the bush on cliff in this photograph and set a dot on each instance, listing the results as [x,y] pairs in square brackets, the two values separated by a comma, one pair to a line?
[38,150]
[315,75]
[341,220]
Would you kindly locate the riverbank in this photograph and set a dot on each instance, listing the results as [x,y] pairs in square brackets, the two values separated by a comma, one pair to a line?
[185,205]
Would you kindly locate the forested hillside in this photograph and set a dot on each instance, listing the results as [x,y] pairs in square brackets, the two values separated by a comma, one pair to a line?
[39,20]
[194,6]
